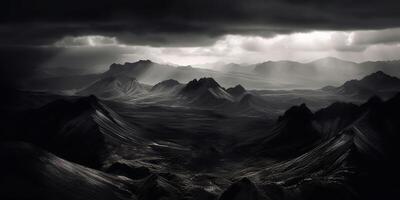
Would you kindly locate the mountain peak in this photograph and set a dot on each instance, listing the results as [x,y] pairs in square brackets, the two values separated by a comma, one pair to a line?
[369,85]
[116,66]
[378,75]
[238,90]
[167,84]
[380,79]
[201,83]
[144,61]
[208,81]
[301,112]
[206,91]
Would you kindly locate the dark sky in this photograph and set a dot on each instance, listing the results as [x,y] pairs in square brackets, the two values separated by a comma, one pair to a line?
[185,22]
[86,36]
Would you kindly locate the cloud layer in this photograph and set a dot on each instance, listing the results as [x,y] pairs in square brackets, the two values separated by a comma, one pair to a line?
[186,23]
[351,45]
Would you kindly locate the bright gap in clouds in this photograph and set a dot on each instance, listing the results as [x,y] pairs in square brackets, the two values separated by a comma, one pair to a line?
[304,47]
[89,40]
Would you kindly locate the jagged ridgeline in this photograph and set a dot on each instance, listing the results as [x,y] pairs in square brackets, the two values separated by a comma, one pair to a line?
[119,138]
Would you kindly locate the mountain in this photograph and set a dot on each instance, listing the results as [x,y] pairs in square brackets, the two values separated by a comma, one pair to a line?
[358,161]
[148,72]
[130,69]
[380,81]
[326,70]
[242,189]
[269,67]
[336,117]
[114,87]
[29,172]
[265,75]
[206,92]
[238,91]
[252,104]
[377,83]
[377,129]
[389,67]
[167,86]
[80,148]
[80,130]
[294,130]
[332,62]
[43,175]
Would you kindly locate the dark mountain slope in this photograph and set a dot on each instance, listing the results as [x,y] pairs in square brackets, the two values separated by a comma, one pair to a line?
[336,117]
[358,162]
[238,91]
[377,83]
[81,130]
[168,86]
[30,173]
[114,87]
[293,133]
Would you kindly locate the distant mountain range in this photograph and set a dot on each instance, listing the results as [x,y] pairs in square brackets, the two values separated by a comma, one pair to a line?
[207,92]
[267,75]
[377,83]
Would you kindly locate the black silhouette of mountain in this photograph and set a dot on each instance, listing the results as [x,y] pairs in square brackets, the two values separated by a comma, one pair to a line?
[114,87]
[336,117]
[377,83]
[167,86]
[205,91]
[242,189]
[378,127]
[238,91]
[296,128]
[380,81]
[293,134]
[201,84]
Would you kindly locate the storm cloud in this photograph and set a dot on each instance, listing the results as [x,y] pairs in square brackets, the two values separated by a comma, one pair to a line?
[186,23]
